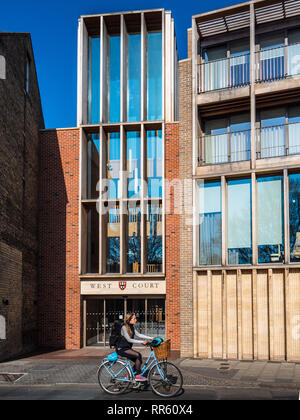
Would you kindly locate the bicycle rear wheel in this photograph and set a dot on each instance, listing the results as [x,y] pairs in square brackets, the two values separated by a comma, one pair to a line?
[165,379]
[114,378]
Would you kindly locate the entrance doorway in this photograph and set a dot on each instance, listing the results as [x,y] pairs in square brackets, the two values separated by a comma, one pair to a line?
[101,314]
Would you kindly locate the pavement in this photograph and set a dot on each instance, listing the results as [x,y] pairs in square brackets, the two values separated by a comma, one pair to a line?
[79,368]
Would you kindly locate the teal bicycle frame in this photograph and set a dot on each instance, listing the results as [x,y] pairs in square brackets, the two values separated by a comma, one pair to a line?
[147,366]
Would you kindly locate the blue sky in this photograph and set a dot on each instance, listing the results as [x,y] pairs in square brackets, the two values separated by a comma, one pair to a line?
[53,27]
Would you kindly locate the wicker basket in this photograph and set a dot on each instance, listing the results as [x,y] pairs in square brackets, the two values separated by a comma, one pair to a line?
[162,352]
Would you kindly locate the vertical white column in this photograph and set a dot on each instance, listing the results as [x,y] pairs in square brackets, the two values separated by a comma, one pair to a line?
[163,65]
[252,86]
[79,72]
[103,71]
[167,72]
[123,71]
[144,54]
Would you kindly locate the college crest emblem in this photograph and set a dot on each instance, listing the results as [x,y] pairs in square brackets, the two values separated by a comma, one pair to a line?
[122,285]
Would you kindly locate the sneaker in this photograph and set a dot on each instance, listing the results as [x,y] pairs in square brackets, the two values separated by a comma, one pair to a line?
[140,378]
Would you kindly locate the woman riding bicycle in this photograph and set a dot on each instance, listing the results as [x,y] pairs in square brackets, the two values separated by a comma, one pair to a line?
[124,347]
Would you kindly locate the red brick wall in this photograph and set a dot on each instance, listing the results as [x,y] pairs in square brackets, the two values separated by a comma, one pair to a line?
[59,302]
[172,237]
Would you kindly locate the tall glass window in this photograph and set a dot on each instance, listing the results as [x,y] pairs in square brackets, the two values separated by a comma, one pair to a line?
[154,163]
[154,76]
[93,149]
[94,81]
[92,255]
[270,219]
[154,238]
[134,77]
[294,199]
[210,223]
[114,78]
[133,163]
[239,222]
[113,165]
[134,240]
[113,241]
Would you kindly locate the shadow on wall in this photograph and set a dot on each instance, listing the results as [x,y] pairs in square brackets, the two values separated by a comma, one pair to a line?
[52,243]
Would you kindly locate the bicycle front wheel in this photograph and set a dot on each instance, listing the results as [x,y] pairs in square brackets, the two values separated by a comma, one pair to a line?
[165,379]
[114,378]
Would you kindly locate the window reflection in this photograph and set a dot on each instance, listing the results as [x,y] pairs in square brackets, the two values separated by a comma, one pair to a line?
[154,163]
[94,81]
[134,240]
[113,165]
[270,219]
[294,197]
[239,222]
[154,238]
[113,241]
[154,76]
[134,78]
[93,149]
[114,78]
[210,223]
[133,163]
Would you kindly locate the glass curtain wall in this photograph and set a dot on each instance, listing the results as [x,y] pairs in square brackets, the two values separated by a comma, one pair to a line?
[239,222]
[133,163]
[270,219]
[294,216]
[93,150]
[113,241]
[134,240]
[154,76]
[113,165]
[92,254]
[154,238]
[94,81]
[272,132]
[210,209]
[134,77]
[154,163]
[114,69]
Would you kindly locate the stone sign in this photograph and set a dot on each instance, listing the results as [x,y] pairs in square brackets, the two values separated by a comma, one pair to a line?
[123,287]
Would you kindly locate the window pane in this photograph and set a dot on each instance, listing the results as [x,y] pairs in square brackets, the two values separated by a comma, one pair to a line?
[239,222]
[154,163]
[94,81]
[114,78]
[270,219]
[134,240]
[113,241]
[210,223]
[273,132]
[216,68]
[154,76]
[113,165]
[133,163]
[134,78]
[294,130]
[92,263]
[216,141]
[154,238]
[93,148]
[156,318]
[294,187]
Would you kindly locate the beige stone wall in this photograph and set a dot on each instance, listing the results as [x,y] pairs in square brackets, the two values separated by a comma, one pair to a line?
[11,291]
[186,229]
[247,314]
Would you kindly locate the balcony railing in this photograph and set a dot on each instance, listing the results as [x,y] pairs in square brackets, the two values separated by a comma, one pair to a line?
[225,148]
[273,141]
[278,140]
[270,65]
[278,63]
[224,74]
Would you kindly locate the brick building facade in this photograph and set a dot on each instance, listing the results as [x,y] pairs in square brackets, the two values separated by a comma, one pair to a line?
[20,121]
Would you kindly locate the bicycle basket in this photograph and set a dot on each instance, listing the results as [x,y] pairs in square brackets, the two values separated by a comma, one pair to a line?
[162,352]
